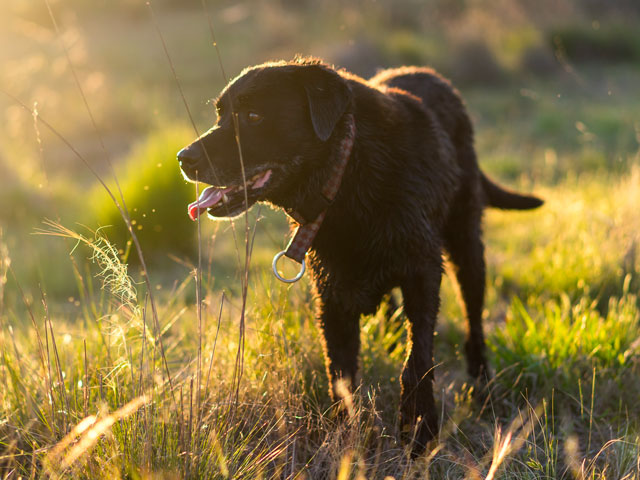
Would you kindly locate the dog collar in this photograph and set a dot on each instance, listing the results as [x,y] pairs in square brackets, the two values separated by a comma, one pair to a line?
[310,216]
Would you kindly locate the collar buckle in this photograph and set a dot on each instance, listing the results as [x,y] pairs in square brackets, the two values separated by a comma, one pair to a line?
[312,208]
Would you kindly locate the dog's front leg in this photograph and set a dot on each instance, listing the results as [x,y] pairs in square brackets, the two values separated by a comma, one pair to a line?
[341,331]
[419,417]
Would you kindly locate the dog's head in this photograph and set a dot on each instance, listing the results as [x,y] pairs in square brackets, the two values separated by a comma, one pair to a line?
[279,120]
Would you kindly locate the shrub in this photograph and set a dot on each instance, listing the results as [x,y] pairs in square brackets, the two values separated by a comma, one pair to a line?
[539,60]
[156,196]
[608,43]
[473,63]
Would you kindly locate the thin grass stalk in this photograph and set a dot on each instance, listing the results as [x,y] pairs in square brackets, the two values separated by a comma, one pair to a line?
[240,353]
[41,347]
[245,281]
[101,387]
[39,142]
[188,110]
[56,356]
[5,262]
[89,307]
[91,292]
[32,473]
[213,349]
[63,388]
[593,391]
[87,298]
[76,79]
[52,398]
[215,43]
[121,207]
[181,423]
[124,215]
[198,275]
[248,247]
[189,431]
[163,445]
[140,390]
[129,353]
[82,291]
[239,364]
[85,407]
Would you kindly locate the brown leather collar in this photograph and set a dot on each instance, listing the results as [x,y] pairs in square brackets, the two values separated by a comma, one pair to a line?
[311,215]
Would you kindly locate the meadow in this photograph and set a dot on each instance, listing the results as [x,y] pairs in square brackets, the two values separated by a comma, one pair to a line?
[175,353]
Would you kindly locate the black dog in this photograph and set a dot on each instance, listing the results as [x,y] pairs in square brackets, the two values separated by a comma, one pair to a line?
[411,188]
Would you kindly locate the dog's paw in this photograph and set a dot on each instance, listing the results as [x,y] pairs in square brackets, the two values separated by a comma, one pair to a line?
[477,365]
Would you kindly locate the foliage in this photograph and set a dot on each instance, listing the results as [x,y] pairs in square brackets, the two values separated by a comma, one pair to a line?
[560,342]
[156,197]
[609,43]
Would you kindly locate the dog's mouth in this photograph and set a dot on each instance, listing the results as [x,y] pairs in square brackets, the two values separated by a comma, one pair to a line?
[230,201]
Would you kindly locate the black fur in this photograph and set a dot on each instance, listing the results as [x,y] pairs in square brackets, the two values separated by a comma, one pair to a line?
[412,189]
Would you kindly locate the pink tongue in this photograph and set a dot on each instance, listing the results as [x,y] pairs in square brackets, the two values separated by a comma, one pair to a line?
[208,198]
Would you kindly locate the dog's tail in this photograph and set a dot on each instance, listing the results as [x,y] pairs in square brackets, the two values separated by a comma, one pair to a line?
[500,197]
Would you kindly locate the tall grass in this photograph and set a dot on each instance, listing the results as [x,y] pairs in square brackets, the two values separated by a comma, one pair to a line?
[92,397]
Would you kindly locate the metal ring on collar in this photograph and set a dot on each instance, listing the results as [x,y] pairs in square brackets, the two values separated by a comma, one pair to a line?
[274,266]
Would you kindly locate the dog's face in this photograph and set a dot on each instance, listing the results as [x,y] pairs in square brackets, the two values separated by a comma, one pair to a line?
[277,119]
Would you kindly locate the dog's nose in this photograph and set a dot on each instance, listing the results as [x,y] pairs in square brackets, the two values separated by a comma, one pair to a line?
[187,158]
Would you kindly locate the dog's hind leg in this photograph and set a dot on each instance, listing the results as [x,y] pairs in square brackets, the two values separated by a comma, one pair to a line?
[466,252]
[421,304]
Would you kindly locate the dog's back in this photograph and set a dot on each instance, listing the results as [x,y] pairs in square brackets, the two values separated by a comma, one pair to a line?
[438,96]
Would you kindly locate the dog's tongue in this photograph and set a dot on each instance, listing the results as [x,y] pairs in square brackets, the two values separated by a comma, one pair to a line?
[208,198]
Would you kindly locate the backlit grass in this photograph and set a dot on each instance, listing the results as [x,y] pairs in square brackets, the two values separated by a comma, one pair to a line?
[564,386]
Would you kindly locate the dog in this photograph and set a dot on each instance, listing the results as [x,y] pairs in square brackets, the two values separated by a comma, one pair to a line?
[409,190]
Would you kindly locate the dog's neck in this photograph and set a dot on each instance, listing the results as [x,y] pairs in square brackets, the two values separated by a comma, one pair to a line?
[310,215]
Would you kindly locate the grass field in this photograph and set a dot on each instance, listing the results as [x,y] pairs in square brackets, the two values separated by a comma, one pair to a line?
[195,362]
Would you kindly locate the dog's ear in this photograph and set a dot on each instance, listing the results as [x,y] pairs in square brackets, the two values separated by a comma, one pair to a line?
[328,95]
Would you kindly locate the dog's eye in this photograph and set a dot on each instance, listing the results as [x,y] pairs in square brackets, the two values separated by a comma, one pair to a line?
[254,118]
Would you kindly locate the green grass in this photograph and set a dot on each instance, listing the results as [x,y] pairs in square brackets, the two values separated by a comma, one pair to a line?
[106,375]
[582,243]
